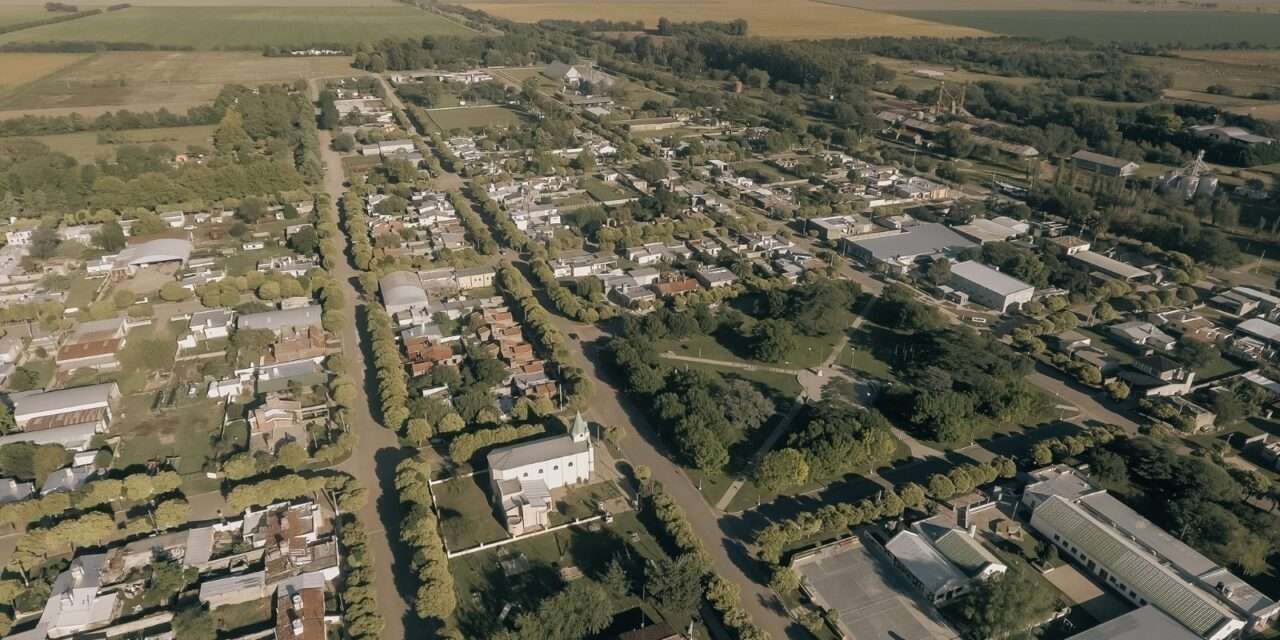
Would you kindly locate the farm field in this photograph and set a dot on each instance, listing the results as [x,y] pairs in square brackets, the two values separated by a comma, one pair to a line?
[779,19]
[18,14]
[1166,27]
[21,68]
[86,146]
[149,80]
[244,27]
[951,74]
[473,117]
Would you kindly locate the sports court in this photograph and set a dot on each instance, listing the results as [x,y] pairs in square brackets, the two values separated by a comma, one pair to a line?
[874,600]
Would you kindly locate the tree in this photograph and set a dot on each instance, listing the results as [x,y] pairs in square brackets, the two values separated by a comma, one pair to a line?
[110,237]
[344,142]
[1118,390]
[252,210]
[780,469]
[304,241]
[939,271]
[174,292]
[44,243]
[677,584]
[194,623]
[941,487]
[772,340]
[1007,605]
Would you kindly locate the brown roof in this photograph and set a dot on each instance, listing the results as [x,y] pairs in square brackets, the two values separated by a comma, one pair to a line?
[310,615]
[82,350]
[673,287]
[85,416]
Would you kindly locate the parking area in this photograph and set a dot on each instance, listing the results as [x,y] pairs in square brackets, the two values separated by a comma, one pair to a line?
[872,599]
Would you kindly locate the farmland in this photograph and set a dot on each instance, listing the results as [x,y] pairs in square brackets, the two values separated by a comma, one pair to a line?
[149,80]
[88,146]
[12,15]
[244,27]
[21,68]
[1164,27]
[780,19]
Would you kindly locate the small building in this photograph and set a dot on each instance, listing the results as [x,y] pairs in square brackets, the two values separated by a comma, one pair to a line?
[1096,262]
[1230,135]
[1259,329]
[942,561]
[275,422]
[1103,164]
[989,287]
[715,277]
[1142,335]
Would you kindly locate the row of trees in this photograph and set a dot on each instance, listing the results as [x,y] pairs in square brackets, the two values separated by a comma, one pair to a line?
[548,339]
[360,616]
[566,302]
[476,228]
[420,530]
[465,445]
[132,488]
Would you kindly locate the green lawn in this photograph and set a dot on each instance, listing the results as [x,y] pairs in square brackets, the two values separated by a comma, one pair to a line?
[467,516]
[246,26]
[446,120]
[603,191]
[88,146]
[859,355]
[809,351]
[187,431]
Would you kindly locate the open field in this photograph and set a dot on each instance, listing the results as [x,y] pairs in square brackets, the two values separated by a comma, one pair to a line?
[18,14]
[779,19]
[952,74]
[1168,27]
[21,68]
[149,80]
[90,4]
[244,27]
[86,147]
[473,117]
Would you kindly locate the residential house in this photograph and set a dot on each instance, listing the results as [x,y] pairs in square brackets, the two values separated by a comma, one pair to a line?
[1103,164]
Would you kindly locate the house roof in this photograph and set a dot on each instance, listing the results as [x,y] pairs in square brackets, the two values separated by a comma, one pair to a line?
[923,561]
[1110,265]
[1259,328]
[402,289]
[1101,160]
[254,583]
[59,400]
[158,250]
[282,319]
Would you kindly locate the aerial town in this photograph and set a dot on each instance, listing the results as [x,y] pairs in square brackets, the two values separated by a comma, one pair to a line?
[479,326]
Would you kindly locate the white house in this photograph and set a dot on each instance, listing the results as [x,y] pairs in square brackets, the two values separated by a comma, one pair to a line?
[524,475]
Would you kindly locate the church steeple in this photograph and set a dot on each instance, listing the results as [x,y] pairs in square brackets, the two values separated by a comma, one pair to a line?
[579,431]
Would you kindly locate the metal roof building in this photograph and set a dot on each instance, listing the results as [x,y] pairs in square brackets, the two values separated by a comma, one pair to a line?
[29,406]
[1143,623]
[989,287]
[918,243]
[401,291]
[1110,266]
[280,320]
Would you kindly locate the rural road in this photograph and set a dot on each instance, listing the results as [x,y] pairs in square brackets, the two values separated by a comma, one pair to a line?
[377,450]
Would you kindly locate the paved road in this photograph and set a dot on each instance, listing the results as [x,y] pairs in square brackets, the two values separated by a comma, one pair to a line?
[377,450]
[728,556]
[1053,382]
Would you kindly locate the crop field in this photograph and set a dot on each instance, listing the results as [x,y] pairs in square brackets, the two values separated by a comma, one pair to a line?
[244,27]
[149,80]
[1165,27]
[777,19]
[473,117]
[21,68]
[87,146]
[905,76]
[11,15]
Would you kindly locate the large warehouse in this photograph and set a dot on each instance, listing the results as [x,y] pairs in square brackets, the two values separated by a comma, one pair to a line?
[899,252]
[989,287]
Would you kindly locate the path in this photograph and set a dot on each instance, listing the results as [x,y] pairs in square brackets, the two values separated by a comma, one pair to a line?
[377,450]
[728,555]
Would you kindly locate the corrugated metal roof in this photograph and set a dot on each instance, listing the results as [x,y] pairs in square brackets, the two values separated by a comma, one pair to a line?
[1144,623]
[1153,582]
[924,562]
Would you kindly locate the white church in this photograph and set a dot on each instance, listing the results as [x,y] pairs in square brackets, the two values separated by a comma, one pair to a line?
[524,475]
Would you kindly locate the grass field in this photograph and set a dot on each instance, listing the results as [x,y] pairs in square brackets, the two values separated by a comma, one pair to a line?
[245,27]
[149,80]
[1052,5]
[473,118]
[1166,27]
[18,14]
[779,19]
[21,68]
[86,147]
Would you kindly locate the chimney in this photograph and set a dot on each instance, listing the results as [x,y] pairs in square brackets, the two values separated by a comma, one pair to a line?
[297,628]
